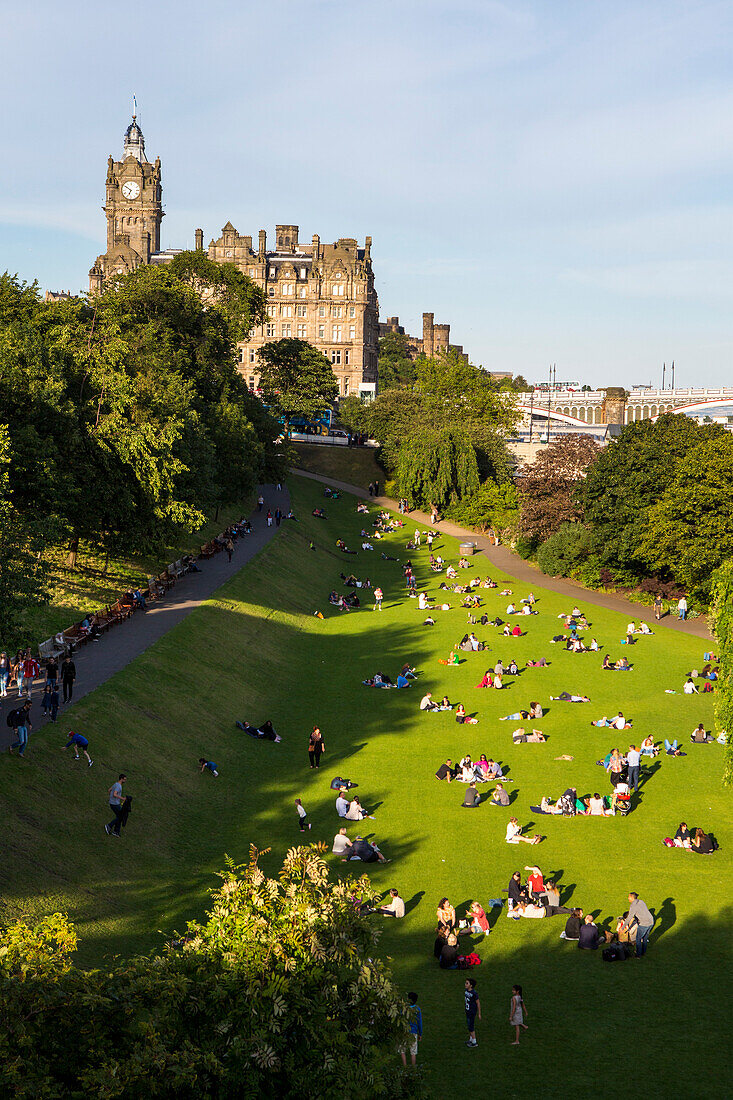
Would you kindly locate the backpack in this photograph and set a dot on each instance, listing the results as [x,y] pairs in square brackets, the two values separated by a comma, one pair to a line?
[617,952]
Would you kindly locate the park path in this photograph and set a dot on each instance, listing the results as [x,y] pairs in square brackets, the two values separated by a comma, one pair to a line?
[97,662]
[517,567]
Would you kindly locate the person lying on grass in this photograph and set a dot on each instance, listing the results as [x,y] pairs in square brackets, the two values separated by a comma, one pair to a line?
[368,853]
[542,663]
[617,723]
[535,711]
[379,680]
[519,737]
[566,697]
[265,732]
[622,665]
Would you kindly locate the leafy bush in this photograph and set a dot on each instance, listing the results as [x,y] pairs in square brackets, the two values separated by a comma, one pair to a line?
[588,572]
[564,551]
[722,622]
[525,547]
[491,506]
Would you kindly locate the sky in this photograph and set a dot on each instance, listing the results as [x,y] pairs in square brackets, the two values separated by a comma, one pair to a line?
[552,179]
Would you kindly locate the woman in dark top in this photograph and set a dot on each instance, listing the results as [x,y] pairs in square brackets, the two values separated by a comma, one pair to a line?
[515,888]
[682,836]
[316,747]
[572,924]
[702,843]
[449,954]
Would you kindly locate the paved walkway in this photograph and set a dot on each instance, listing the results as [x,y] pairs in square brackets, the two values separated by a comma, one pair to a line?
[523,571]
[96,662]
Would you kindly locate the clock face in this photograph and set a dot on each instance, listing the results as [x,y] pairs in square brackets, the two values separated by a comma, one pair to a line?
[130,190]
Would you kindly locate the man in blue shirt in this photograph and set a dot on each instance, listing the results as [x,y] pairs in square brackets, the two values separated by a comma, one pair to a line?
[79,742]
[414,1016]
[473,1007]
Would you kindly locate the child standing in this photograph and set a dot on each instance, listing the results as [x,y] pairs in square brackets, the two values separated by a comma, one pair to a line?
[473,1008]
[517,1012]
[78,742]
[302,815]
[210,765]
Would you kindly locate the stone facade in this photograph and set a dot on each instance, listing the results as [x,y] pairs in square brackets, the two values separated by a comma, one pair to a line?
[134,211]
[322,293]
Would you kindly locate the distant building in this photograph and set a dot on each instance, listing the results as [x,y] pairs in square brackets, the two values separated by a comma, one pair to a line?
[435,339]
[57,295]
[322,293]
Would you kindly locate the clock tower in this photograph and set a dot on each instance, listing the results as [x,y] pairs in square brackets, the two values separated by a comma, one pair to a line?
[133,209]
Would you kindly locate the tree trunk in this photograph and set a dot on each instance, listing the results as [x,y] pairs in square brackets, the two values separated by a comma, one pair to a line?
[216,515]
[73,552]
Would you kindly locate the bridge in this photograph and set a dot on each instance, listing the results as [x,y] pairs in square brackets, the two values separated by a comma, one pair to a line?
[617,406]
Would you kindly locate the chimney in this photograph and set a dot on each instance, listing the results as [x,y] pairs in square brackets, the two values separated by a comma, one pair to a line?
[316,247]
[367,248]
[427,333]
[263,243]
[199,237]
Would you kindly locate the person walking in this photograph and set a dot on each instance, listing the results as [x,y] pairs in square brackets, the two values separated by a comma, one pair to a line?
[378,597]
[517,1012]
[31,669]
[20,721]
[68,675]
[229,548]
[278,517]
[682,608]
[52,671]
[210,765]
[260,502]
[316,747]
[79,742]
[269,518]
[657,607]
[5,669]
[473,1008]
[302,815]
[371,488]
[640,916]
[54,706]
[116,802]
[376,488]
[633,762]
[414,1018]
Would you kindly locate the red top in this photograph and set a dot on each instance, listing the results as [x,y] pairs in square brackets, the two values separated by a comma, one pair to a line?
[536,882]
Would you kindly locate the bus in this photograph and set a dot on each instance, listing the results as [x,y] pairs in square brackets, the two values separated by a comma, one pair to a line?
[563,387]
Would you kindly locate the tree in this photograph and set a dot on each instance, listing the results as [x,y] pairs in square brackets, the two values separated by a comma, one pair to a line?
[242,303]
[396,362]
[492,506]
[437,468]
[296,379]
[353,413]
[630,475]
[277,993]
[19,301]
[722,624]
[22,575]
[548,487]
[688,533]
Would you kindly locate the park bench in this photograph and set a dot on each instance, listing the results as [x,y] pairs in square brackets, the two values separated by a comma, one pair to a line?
[52,647]
[208,550]
[155,590]
[165,580]
[74,637]
[177,569]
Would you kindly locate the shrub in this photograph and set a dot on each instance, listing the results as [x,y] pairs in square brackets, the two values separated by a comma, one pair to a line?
[565,550]
[491,506]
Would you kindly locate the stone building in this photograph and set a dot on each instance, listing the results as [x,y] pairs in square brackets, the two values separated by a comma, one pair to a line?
[322,293]
[134,211]
[435,338]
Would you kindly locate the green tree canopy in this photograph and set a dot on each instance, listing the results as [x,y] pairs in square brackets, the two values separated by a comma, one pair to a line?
[632,474]
[277,993]
[296,379]
[396,362]
[688,533]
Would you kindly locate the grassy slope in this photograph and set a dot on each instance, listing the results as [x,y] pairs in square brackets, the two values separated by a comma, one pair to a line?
[256,651]
[87,588]
[356,465]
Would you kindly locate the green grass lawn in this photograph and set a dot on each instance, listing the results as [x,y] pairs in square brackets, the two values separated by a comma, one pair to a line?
[256,651]
[355,465]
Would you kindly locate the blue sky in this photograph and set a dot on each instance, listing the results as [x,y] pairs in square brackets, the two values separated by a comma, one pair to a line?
[551,178]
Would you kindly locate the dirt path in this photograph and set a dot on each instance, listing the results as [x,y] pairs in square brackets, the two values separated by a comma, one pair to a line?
[523,571]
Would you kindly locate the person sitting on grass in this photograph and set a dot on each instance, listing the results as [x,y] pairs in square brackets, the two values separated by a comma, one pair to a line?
[487,680]
[471,799]
[618,723]
[356,811]
[453,659]
[210,765]
[689,688]
[449,953]
[499,797]
[596,806]
[682,838]
[573,924]
[478,922]
[648,748]
[341,844]
[395,907]
[566,697]
[426,703]
[514,834]
[464,719]
[446,771]
[702,843]
[591,937]
[699,736]
[368,853]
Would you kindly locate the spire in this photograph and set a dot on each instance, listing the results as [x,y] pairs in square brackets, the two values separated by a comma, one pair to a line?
[134,145]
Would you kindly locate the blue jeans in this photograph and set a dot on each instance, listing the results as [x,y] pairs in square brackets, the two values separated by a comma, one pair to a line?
[633,777]
[642,938]
[670,745]
[22,741]
[682,614]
